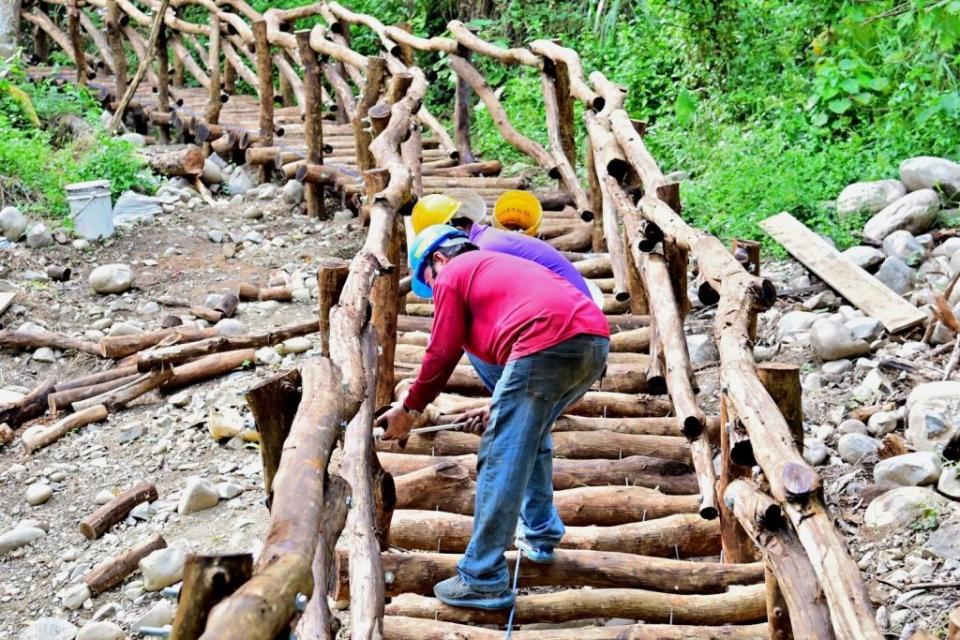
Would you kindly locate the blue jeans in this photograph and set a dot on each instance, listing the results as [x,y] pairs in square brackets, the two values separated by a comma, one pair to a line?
[515,461]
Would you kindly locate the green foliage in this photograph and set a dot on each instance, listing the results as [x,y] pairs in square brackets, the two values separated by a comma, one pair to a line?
[929,519]
[33,169]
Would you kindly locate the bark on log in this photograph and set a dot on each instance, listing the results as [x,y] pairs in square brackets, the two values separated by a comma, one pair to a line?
[313,120]
[206,581]
[741,606]
[167,356]
[668,477]
[762,519]
[212,114]
[317,621]
[208,367]
[11,339]
[33,405]
[273,404]
[682,535]
[405,628]
[145,61]
[331,276]
[40,436]
[637,426]
[263,606]
[375,70]
[464,69]
[265,90]
[184,162]
[737,546]
[122,346]
[480,168]
[95,378]
[461,116]
[121,396]
[73,28]
[417,572]
[61,400]
[115,570]
[448,486]
[572,444]
[98,522]
[112,26]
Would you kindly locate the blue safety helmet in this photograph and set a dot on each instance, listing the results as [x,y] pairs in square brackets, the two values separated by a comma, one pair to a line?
[427,241]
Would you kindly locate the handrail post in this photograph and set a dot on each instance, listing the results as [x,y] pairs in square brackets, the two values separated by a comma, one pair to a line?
[313,121]
[73,27]
[212,114]
[461,115]
[265,77]
[163,82]
[112,23]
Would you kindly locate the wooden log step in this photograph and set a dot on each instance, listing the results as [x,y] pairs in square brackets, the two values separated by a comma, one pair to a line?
[412,354]
[579,445]
[448,486]
[594,403]
[406,628]
[669,426]
[742,605]
[668,477]
[684,535]
[418,572]
[618,324]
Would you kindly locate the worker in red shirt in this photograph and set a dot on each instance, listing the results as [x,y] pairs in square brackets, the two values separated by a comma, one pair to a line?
[552,341]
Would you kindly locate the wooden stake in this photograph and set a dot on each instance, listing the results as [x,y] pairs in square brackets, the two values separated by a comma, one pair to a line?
[273,404]
[331,276]
[206,581]
[214,103]
[461,116]
[163,82]
[737,546]
[265,75]
[112,25]
[142,69]
[73,27]
[375,71]
[313,120]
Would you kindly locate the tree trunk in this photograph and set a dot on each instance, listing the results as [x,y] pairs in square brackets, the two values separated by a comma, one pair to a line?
[418,572]
[741,606]
[9,28]
[683,535]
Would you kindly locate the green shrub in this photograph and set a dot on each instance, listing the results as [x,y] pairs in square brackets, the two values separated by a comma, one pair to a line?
[34,169]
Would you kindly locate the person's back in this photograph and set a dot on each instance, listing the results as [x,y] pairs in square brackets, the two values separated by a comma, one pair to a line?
[529,248]
[500,308]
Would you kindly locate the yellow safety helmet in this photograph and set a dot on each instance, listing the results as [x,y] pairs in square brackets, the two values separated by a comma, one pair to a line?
[518,211]
[433,209]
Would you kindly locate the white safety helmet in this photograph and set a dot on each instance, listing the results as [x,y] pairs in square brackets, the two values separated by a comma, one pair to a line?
[472,205]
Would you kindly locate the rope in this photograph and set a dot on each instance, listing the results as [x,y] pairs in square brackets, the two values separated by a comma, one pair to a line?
[513,610]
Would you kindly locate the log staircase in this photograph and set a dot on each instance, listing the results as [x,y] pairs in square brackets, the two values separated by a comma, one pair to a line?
[655,534]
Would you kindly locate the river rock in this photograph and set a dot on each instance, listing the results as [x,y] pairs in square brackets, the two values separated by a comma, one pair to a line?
[914,212]
[903,245]
[38,493]
[900,507]
[928,172]
[945,541]
[867,258]
[949,483]
[44,354]
[75,595]
[702,349]
[865,328]
[159,615]
[49,629]
[118,329]
[162,568]
[212,174]
[12,223]
[293,192]
[908,470]
[856,447]
[297,344]
[933,414]
[832,341]
[229,327]
[815,451]
[852,425]
[882,422]
[19,536]
[229,490]
[100,631]
[869,197]
[795,322]
[38,237]
[896,274]
[111,278]
[239,181]
[199,494]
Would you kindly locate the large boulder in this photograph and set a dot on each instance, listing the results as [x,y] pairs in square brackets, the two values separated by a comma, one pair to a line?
[901,508]
[933,414]
[111,278]
[869,197]
[928,172]
[914,212]
[832,341]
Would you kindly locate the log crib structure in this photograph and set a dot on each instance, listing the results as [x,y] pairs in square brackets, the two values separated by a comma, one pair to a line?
[655,534]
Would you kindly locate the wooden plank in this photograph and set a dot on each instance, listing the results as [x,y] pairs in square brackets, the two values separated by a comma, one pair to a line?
[6,299]
[856,285]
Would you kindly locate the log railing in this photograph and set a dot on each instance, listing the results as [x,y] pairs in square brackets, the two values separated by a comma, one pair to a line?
[627,209]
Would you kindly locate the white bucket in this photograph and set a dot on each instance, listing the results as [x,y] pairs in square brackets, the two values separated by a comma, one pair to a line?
[90,208]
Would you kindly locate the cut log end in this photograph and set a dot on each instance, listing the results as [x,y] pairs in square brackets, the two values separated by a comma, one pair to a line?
[767,295]
[799,480]
[709,512]
[707,294]
[622,296]
[692,427]
[741,453]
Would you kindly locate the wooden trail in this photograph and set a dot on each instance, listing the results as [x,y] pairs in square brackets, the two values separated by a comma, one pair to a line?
[654,532]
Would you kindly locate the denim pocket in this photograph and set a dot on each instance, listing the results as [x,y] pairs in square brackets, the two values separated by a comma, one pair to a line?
[552,375]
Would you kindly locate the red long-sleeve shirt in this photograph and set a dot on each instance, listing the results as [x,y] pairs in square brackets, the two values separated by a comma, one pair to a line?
[500,308]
